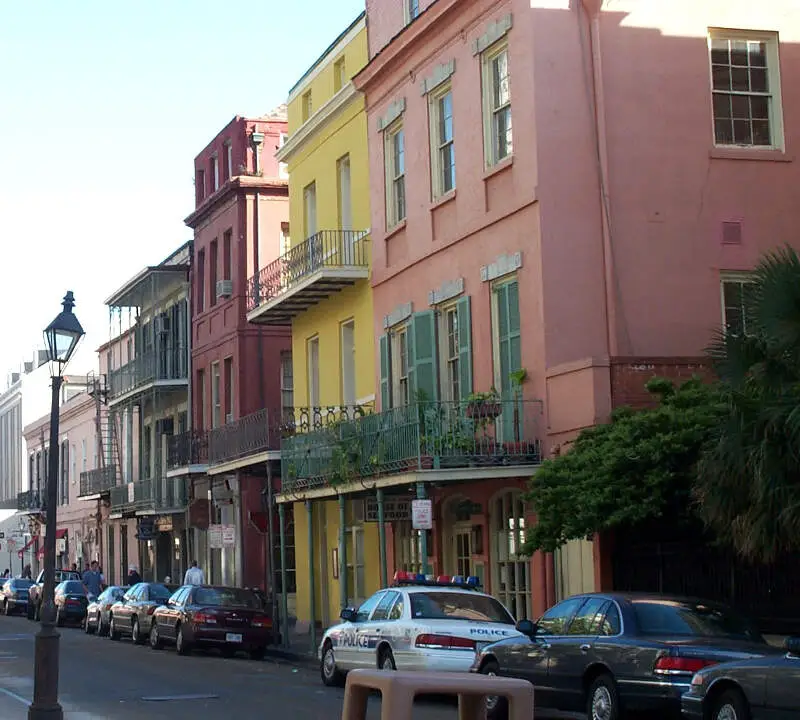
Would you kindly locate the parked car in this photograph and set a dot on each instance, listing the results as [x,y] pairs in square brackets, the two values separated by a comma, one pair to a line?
[97,619]
[133,612]
[14,595]
[416,624]
[35,590]
[601,652]
[72,599]
[765,687]
[209,616]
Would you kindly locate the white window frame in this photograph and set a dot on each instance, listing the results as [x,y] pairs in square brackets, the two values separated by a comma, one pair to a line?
[339,73]
[229,158]
[490,112]
[447,361]
[216,396]
[307,105]
[348,360]
[411,10]
[215,172]
[310,209]
[287,384]
[74,464]
[399,349]
[775,102]
[283,168]
[312,371]
[739,278]
[439,144]
[345,192]
[395,177]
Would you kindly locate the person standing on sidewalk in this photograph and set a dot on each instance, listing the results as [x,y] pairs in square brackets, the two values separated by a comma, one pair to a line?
[93,580]
[194,575]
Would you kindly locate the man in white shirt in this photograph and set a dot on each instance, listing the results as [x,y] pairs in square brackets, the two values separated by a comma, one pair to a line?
[194,575]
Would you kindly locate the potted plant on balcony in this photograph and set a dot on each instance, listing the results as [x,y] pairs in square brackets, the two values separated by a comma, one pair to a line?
[517,449]
[484,405]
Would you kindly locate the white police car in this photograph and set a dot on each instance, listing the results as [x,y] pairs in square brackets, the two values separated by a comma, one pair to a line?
[420,623]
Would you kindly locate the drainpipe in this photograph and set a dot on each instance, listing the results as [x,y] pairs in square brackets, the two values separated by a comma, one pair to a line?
[271,545]
[343,554]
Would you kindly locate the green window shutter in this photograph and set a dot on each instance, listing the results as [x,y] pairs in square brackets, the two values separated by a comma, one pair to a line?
[508,332]
[464,314]
[422,356]
[386,386]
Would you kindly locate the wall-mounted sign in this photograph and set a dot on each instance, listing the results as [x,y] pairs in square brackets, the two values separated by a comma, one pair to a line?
[215,537]
[422,514]
[229,535]
[146,529]
[394,509]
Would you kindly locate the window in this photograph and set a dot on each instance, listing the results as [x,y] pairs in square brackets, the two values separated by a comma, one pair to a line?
[396,613]
[313,372]
[411,10]
[64,495]
[496,104]
[451,389]
[394,158]
[339,75]
[587,620]
[201,280]
[202,419]
[200,186]
[287,385]
[692,619]
[556,619]
[348,344]
[228,389]
[443,159]
[83,455]
[507,352]
[216,400]
[227,258]
[746,89]
[214,171]
[228,160]
[306,105]
[382,611]
[310,209]
[74,461]
[611,625]
[343,193]
[212,271]
[734,292]
[283,168]
[400,359]
[285,242]
[366,608]
[444,605]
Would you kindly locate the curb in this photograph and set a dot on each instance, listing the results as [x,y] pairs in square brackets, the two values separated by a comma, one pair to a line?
[291,657]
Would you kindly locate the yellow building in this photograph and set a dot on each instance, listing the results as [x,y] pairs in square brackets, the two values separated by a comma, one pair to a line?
[320,285]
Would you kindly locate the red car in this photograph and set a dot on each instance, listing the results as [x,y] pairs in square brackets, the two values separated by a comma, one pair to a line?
[229,618]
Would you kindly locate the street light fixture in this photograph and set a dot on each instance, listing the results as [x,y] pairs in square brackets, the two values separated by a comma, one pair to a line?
[61,337]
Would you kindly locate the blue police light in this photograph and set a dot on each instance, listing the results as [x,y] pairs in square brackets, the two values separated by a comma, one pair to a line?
[420,578]
[458,580]
[473,581]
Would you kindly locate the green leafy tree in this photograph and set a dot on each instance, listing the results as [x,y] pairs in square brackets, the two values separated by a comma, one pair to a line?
[638,466]
[748,479]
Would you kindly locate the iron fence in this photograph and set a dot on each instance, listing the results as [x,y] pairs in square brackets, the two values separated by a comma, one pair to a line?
[187,448]
[97,481]
[167,364]
[324,249]
[30,500]
[151,494]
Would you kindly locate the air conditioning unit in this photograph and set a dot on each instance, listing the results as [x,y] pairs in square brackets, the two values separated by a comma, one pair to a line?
[224,288]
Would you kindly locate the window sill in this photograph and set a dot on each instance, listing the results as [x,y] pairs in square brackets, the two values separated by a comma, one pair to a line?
[504,164]
[391,232]
[743,153]
[443,200]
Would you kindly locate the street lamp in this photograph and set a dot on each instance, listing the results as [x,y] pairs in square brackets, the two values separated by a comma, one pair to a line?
[61,337]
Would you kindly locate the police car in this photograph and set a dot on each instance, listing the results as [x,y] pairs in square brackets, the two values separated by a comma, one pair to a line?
[421,622]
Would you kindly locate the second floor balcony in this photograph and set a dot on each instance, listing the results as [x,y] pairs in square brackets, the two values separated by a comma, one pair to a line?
[246,441]
[150,497]
[167,367]
[31,501]
[431,440]
[309,272]
[187,452]
[97,482]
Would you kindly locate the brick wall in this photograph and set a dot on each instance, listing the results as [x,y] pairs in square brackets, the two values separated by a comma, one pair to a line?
[630,374]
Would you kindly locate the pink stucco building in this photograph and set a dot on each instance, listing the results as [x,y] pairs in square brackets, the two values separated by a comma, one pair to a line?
[596,179]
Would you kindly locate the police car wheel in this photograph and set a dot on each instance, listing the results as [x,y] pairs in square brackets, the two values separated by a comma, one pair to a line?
[496,706]
[331,675]
[386,660]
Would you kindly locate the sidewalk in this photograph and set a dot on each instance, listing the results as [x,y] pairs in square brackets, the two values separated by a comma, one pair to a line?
[299,651]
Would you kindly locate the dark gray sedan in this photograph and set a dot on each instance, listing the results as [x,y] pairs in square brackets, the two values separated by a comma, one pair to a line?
[758,689]
[605,653]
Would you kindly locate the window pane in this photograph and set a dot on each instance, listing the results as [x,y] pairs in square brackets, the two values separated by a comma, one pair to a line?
[719,51]
[742,133]
[722,105]
[721,75]
[446,118]
[759,108]
[740,106]
[584,621]
[758,79]
[723,132]
[740,79]
[739,54]
[758,54]
[761,133]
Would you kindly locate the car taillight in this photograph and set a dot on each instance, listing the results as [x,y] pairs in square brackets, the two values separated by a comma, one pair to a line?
[444,642]
[151,609]
[676,665]
[201,618]
[73,601]
[261,621]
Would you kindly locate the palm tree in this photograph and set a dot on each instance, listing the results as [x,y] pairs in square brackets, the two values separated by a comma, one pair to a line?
[748,481]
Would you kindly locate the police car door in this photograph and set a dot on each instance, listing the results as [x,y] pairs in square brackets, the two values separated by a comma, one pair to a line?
[346,644]
[369,634]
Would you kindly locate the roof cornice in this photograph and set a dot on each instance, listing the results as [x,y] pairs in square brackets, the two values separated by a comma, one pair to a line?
[231,187]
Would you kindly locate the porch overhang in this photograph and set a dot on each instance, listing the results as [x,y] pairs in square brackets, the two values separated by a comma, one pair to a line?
[231,466]
[187,470]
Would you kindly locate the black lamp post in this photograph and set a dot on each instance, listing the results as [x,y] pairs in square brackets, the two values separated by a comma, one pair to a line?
[61,337]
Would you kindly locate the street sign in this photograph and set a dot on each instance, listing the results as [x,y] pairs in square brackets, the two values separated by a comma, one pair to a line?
[11,545]
[229,536]
[422,514]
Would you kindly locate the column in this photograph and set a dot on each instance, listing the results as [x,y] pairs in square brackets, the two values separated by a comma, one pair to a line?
[423,540]
[284,590]
[382,539]
[312,602]
[342,553]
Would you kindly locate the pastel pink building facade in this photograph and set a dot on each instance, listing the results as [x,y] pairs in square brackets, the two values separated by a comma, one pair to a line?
[597,180]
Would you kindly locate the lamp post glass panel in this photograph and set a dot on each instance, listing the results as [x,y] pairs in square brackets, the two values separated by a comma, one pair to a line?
[61,337]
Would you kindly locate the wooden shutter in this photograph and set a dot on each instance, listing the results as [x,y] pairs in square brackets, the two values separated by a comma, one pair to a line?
[464,314]
[386,373]
[422,373]
[508,332]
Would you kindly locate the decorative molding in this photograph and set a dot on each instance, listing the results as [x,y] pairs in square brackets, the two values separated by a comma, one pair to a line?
[448,290]
[503,265]
[438,76]
[400,313]
[394,111]
[493,33]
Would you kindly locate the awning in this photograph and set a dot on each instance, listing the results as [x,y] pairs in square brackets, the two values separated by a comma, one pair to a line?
[30,542]
[61,533]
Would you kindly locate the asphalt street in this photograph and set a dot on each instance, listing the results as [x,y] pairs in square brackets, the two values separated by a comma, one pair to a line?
[100,678]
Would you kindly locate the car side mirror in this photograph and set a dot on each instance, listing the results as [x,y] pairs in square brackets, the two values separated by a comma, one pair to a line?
[527,627]
[792,645]
[348,615]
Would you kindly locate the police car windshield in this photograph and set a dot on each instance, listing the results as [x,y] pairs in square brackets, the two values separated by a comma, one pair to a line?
[443,605]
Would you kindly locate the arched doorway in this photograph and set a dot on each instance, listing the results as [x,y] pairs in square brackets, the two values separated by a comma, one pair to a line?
[511,572]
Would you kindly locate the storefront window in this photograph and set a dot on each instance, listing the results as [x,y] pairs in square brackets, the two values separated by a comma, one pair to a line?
[407,555]
[511,572]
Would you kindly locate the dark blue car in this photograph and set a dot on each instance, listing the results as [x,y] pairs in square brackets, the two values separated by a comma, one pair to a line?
[72,599]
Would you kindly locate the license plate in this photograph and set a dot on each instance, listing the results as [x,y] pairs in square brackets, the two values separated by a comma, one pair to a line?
[233,637]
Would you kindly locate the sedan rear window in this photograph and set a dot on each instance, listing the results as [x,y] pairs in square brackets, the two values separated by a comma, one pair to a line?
[227,597]
[73,587]
[160,592]
[458,606]
[21,584]
[687,618]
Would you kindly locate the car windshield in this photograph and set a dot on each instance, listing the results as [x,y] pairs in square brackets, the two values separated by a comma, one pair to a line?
[226,597]
[444,605]
[73,587]
[159,592]
[21,584]
[662,617]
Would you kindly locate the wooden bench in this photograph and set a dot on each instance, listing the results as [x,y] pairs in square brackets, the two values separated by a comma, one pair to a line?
[398,690]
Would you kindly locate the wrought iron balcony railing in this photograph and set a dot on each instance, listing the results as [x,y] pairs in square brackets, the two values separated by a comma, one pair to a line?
[31,501]
[157,495]
[187,448]
[167,364]
[249,435]
[417,437]
[325,249]
[99,480]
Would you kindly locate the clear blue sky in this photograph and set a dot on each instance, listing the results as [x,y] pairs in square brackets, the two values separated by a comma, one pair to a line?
[103,106]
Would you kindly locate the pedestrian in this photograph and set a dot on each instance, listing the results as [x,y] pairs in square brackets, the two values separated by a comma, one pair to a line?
[167,580]
[6,573]
[93,580]
[194,575]
[133,576]
[74,567]
[26,572]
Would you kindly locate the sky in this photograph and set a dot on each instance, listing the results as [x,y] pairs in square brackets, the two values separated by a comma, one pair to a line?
[103,106]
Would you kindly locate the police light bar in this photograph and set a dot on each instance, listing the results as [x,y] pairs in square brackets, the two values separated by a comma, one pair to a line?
[401,577]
